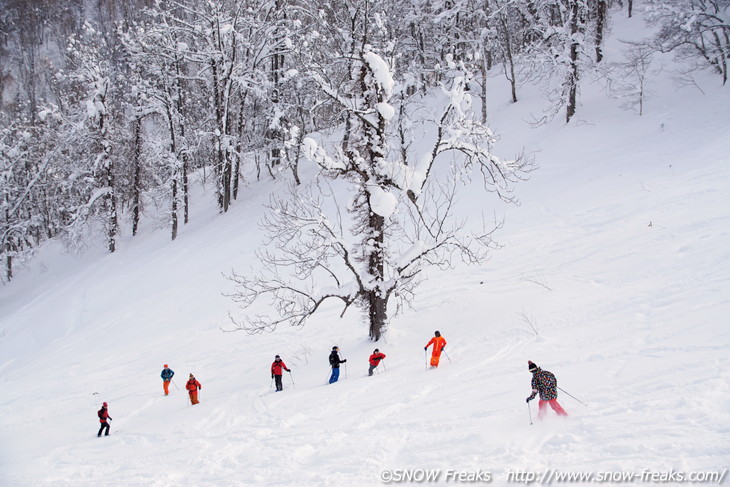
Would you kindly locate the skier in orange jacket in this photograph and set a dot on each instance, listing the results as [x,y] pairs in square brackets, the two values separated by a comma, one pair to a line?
[192,386]
[439,343]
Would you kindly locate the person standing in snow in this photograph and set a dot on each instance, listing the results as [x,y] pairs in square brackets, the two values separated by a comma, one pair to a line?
[276,368]
[103,414]
[166,375]
[374,360]
[439,343]
[544,383]
[193,386]
[335,364]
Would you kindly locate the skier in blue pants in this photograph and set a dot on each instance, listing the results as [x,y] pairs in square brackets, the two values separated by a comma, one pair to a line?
[335,364]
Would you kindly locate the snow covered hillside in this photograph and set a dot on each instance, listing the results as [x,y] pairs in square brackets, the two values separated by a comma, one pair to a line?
[613,274]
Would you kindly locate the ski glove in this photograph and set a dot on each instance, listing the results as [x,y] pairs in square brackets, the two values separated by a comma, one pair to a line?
[425,348]
[344,361]
[272,376]
[442,348]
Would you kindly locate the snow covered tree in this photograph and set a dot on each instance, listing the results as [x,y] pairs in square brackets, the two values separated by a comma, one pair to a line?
[93,131]
[31,199]
[693,28]
[400,217]
[627,80]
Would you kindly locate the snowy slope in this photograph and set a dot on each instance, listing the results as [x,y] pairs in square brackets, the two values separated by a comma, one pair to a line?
[613,274]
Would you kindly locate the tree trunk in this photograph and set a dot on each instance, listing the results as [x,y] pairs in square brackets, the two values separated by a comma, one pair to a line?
[173,209]
[484,68]
[509,61]
[8,266]
[180,108]
[8,248]
[219,169]
[174,176]
[573,74]
[377,300]
[112,208]
[109,201]
[136,189]
[601,11]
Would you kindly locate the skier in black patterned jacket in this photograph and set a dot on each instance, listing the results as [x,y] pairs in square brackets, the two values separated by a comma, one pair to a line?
[544,383]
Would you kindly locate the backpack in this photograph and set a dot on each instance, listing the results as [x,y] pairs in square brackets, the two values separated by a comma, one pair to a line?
[100,412]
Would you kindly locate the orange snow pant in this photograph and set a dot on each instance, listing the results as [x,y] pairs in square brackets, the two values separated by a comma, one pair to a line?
[435,356]
[542,408]
[166,386]
[194,397]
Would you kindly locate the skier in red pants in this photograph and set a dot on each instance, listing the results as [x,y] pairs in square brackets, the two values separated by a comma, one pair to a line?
[546,384]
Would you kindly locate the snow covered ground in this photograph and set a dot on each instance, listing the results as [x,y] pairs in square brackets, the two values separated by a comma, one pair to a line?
[614,274]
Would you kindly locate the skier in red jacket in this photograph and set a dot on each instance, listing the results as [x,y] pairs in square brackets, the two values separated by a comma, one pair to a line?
[375,359]
[103,414]
[193,386]
[276,372]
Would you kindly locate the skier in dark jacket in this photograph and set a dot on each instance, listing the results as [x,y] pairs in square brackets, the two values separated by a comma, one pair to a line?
[103,414]
[335,364]
[166,375]
[544,383]
[276,372]
[374,360]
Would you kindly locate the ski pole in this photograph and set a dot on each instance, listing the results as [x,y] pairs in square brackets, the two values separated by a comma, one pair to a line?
[447,356]
[292,379]
[574,397]
[385,369]
[176,387]
[529,411]
[345,370]
[271,383]
[425,357]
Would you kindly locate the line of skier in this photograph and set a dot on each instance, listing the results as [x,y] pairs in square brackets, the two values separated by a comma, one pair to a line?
[543,382]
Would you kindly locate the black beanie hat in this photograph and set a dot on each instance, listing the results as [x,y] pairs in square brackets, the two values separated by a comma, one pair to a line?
[531,366]
[437,333]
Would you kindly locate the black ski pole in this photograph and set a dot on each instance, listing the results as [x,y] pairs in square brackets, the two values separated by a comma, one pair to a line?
[292,379]
[574,397]
[271,383]
[425,357]
[529,411]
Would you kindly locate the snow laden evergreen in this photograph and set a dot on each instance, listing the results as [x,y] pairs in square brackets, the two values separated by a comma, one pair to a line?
[400,217]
